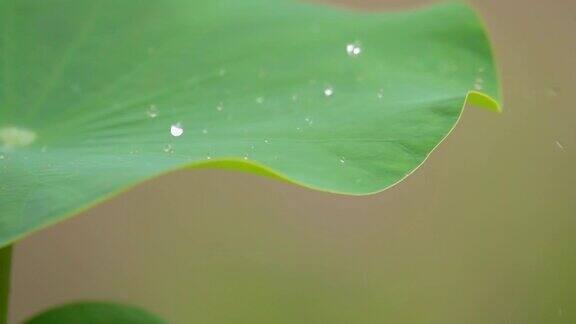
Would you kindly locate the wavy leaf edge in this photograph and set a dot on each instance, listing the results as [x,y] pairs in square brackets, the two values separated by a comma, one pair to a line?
[472,97]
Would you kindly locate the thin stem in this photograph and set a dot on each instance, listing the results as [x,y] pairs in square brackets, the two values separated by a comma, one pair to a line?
[5,264]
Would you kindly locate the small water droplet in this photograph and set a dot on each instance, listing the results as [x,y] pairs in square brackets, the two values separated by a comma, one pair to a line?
[380,94]
[152,111]
[560,145]
[294,97]
[12,137]
[298,128]
[204,131]
[259,100]
[2,157]
[266,141]
[252,147]
[245,157]
[328,91]
[353,49]
[208,157]
[349,48]
[308,120]
[479,84]
[220,107]
[342,160]
[168,149]
[176,130]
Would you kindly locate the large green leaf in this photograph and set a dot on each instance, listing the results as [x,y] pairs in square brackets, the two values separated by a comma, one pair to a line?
[95,313]
[329,98]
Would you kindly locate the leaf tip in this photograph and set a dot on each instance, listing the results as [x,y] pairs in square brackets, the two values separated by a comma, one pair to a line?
[483,100]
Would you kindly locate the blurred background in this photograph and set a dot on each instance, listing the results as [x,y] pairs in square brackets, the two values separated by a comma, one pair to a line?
[484,232]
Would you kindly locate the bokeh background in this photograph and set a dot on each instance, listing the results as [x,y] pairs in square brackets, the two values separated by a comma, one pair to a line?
[484,232]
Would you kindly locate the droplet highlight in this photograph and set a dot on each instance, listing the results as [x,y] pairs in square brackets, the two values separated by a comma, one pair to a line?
[353,49]
[176,130]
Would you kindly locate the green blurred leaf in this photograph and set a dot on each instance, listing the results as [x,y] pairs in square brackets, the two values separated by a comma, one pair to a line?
[95,313]
[328,98]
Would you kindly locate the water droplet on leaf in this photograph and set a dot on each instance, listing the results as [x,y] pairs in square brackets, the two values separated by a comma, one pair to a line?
[354,49]
[11,137]
[479,84]
[328,92]
[152,111]
[176,130]
[168,149]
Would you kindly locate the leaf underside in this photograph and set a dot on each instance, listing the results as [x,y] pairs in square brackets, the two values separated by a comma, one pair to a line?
[95,313]
[89,91]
